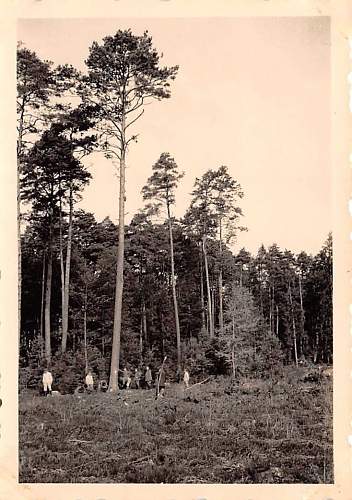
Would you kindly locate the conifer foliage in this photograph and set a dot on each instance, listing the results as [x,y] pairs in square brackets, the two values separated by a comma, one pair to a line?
[250,347]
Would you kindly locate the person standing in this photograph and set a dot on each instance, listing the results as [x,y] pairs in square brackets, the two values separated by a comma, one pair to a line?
[89,381]
[126,379]
[137,377]
[186,378]
[47,382]
[148,377]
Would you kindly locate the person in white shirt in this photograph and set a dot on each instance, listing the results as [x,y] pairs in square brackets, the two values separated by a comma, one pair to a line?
[89,381]
[47,382]
[186,378]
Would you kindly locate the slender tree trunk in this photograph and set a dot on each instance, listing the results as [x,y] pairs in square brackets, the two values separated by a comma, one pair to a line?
[162,330]
[302,311]
[62,270]
[270,311]
[141,342]
[317,345]
[233,348]
[48,300]
[210,313]
[189,323]
[19,248]
[293,325]
[261,299]
[115,354]
[74,335]
[144,321]
[19,255]
[241,279]
[85,326]
[277,320]
[273,310]
[213,305]
[261,288]
[202,290]
[67,277]
[41,328]
[221,315]
[173,281]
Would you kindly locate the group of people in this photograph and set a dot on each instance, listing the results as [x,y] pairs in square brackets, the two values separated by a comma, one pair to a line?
[126,380]
[136,377]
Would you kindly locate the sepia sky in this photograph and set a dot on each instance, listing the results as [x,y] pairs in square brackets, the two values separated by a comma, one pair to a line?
[251,93]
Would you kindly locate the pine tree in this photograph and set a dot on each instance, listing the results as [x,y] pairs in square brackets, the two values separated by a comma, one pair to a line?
[48,171]
[73,125]
[161,187]
[123,75]
[249,346]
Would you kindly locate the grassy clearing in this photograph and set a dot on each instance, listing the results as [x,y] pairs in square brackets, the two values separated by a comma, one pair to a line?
[259,434]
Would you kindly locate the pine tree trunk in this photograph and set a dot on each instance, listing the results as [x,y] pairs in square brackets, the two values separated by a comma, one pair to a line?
[270,311]
[221,315]
[202,290]
[144,321]
[316,346]
[173,281]
[41,328]
[19,248]
[19,253]
[85,326]
[48,301]
[141,342]
[74,335]
[62,270]
[67,278]
[261,290]
[302,311]
[116,338]
[293,326]
[210,314]
[233,348]
[277,321]
[213,305]
[273,311]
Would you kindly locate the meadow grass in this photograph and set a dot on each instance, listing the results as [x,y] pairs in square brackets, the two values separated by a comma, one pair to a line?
[260,433]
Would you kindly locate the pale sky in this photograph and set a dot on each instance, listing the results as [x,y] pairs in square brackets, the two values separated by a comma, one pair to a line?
[251,93]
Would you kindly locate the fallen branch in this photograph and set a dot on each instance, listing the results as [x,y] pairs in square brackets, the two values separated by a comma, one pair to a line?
[79,441]
[198,383]
[139,460]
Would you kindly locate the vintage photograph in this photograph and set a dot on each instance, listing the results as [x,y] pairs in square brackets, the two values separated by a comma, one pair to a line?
[176,250]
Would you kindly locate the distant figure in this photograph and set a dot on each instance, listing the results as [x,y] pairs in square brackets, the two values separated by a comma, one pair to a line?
[160,384]
[186,378]
[126,379]
[137,377]
[47,382]
[79,390]
[89,382]
[178,376]
[148,377]
[102,386]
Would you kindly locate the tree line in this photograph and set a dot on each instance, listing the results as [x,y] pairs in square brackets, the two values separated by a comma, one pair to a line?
[171,286]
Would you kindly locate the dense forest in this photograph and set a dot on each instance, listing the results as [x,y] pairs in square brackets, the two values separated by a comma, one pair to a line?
[291,292]
[98,295]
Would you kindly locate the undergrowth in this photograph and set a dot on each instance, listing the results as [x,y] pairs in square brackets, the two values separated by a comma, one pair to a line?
[260,433]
